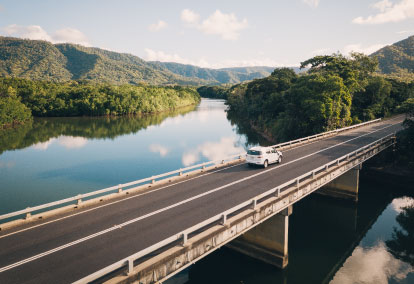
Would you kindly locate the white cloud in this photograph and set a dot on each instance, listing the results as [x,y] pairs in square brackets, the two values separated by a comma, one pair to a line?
[399,203]
[212,151]
[389,12]
[157,26]
[363,49]
[227,26]
[405,32]
[70,142]
[372,265]
[44,145]
[30,32]
[321,51]
[190,158]
[70,35]
[157,148]
[189,16]
[382,6]
[154,55]
[38,33]
[312,3]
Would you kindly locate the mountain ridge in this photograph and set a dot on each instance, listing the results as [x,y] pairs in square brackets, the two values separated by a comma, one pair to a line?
[42,60]
[397,57]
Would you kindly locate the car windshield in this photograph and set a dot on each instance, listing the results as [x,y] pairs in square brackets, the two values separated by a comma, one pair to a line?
[254,152]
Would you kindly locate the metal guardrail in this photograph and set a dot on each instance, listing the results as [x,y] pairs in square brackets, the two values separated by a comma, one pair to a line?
[222,217]
[119,188]
[323,134]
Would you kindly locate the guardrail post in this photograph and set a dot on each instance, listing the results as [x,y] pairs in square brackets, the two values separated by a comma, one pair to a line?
[130,266]
[297,183]
[185,239]
[326,168]
[347,157]
[223,220]
[180,173]
[203,167]
[313,174]
[277,192]
[119,188]
[337,162]
[152,180]
[79,199]
[222,161]
[254,204]
[28,214]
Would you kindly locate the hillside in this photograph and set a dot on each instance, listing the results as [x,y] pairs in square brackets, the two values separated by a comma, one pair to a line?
[397,58]
[42,60]
[221,76]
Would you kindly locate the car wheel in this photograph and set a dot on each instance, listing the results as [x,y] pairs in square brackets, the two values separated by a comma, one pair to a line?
[280,159]
[265,164]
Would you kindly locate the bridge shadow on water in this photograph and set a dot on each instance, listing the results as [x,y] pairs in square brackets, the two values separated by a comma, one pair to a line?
[323,234]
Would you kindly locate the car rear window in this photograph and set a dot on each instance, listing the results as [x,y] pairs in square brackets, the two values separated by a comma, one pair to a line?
[253,152]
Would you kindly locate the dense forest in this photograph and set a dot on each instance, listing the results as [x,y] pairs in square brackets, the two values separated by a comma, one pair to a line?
[20,99]
[335,92]
[397,58]
[42,60]
[40,130]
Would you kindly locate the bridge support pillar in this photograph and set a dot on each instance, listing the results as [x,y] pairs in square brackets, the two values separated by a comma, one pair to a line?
[268,241]
[345,186]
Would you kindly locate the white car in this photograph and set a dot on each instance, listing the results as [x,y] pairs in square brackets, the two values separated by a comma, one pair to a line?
[263,156]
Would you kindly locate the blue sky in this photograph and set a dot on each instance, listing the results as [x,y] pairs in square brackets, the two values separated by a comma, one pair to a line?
[214,33]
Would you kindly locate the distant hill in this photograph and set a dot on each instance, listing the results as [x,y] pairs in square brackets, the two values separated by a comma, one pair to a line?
[42,60]
[222,76]
[397,58]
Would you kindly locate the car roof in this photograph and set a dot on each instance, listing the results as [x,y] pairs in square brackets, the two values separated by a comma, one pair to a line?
[258,148]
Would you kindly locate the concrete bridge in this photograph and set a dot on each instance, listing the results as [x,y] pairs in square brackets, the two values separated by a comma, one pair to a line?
[148,230]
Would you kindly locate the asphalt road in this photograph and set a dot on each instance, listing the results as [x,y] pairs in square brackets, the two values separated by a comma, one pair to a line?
[72,246]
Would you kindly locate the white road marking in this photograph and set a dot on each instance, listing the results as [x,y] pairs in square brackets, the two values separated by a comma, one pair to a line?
[151,191]
[171,206]
[114,202]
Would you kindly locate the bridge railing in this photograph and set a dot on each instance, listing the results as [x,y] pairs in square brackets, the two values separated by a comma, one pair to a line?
[121,187]
[322,135]
[221,218]
[78,199]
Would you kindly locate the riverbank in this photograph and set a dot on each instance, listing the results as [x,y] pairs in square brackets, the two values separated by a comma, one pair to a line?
[85,98]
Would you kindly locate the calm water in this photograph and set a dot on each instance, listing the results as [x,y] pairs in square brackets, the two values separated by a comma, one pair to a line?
[329,241]
[62,157]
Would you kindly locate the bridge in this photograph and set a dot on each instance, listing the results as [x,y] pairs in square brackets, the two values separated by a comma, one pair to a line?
[149,230]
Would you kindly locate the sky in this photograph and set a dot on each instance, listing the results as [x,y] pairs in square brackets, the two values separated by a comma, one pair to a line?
[214,34]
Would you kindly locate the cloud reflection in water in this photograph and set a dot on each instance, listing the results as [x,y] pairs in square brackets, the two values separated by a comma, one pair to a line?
[212,151]
[69,142]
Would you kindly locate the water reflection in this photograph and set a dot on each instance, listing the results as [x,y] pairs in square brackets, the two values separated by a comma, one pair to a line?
[243,127]
[157,148]
[372,265]
[401,246]
[71,132]
[54,158]
[331,241]
[69,142]
[212,151]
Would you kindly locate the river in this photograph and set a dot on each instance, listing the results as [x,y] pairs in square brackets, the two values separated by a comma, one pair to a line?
[329,241]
